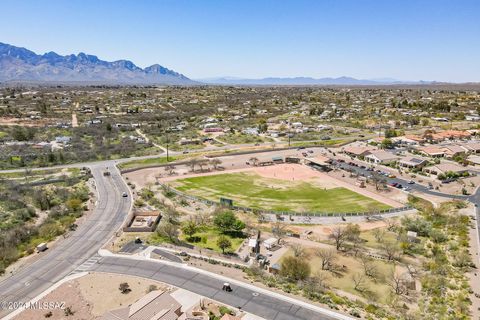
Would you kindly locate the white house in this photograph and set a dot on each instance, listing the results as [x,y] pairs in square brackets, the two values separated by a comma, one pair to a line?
[381,157]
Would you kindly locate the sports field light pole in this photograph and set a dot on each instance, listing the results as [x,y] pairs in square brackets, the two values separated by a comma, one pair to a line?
[167,129]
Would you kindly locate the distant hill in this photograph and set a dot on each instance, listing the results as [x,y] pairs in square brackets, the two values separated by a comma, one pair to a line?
[302,81]
[22,65]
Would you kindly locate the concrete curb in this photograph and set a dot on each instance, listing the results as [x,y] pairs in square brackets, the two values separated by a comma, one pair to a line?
[327,312]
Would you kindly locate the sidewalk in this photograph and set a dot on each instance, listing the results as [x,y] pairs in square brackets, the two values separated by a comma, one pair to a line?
[474,275]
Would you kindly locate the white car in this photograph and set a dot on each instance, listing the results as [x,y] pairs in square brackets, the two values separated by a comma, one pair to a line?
[124,194]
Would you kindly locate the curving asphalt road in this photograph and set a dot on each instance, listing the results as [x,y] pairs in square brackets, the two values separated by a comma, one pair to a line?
[68,254]
[262,305]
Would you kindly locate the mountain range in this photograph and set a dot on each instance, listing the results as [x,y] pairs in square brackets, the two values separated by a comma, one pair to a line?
[306,81]
[22,65]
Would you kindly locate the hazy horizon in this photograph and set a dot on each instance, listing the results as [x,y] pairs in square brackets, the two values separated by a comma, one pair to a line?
[408,41]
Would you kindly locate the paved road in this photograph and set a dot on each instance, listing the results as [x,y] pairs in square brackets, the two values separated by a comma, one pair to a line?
[63,258]
[262,305]
[403,182]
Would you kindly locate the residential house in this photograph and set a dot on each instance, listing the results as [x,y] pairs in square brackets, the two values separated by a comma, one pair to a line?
[381,157]
[357,151]
[158,305]
[472,147]
[443,168]
[452,151]
[473,159]
[432,151]
[412,163]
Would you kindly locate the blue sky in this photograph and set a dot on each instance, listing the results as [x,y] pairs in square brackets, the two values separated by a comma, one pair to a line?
[404,39]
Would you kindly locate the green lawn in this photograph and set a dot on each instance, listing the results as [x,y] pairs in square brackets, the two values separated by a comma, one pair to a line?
[146,162]
[207,238]
[254,191]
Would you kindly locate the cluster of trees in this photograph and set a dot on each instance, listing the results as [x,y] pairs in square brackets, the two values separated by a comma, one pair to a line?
[214,163]
[20,204]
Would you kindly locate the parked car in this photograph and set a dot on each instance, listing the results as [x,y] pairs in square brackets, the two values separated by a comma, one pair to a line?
[411,182]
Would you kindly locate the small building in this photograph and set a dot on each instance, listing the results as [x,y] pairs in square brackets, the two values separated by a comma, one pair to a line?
[142,221]
[270,243]
[320,163]
[277,159]
[412,237]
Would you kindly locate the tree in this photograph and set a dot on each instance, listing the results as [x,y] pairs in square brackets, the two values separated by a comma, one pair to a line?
[227,221]
[379,234]
[170,169]
[189,228]
[279,230]
[358,281]
[294,269]
[298,250]
[192,163]
[391,250]
[339,236]
[378,180]
[224,243]
[396,281]
[369,268]
[215,163]
[202,162]
[74,204]
[124,288]
[387,143]
[169,230]
[327,257]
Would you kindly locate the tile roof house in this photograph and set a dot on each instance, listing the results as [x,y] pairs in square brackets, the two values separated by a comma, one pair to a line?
[158,305]
[432,151]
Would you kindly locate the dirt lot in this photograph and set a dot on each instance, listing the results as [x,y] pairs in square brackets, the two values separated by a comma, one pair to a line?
[89,297]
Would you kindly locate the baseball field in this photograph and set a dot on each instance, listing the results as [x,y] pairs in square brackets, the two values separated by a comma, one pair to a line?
[250,189]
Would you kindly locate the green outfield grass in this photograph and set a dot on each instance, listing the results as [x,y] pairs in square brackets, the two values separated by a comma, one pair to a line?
[251,190]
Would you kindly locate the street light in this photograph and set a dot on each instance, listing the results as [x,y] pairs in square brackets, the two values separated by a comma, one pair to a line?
[290,135]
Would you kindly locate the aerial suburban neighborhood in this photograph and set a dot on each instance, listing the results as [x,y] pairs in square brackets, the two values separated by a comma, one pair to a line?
[135,192]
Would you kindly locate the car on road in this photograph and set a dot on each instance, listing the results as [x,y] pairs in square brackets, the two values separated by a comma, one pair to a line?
[393,184]
[411,182]
[124,194]
[399,186]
